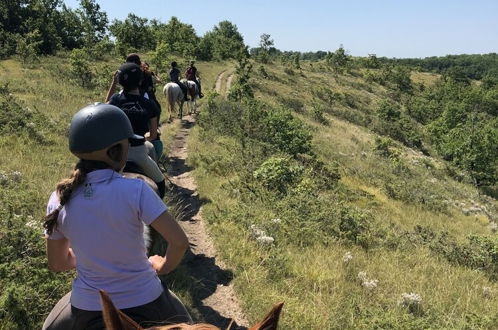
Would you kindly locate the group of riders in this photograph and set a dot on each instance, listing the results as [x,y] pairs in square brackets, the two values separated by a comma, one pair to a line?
[95,218]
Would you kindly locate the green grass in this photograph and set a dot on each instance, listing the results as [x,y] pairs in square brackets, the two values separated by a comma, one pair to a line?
[320,291]
[38,149]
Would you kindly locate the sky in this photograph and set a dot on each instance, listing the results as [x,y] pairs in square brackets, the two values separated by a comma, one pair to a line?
[391,28]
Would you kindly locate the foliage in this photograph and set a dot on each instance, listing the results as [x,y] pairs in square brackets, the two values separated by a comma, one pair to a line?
[241,88]
[276,173]
[339,60]
[28,47]
[80,69]
[226,41]
[265,45]
[132,33]
[175,37]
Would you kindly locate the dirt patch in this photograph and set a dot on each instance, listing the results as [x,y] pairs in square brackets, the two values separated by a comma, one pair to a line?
[215,298]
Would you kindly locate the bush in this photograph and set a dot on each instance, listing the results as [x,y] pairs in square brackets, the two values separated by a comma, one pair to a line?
[80,69]
[277,173]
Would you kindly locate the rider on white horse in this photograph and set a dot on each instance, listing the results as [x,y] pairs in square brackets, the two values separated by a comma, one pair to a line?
[192,74]
[174,75]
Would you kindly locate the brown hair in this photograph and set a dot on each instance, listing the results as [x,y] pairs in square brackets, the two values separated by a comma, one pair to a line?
[66,187]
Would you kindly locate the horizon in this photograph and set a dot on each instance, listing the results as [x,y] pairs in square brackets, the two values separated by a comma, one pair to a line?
[386,28]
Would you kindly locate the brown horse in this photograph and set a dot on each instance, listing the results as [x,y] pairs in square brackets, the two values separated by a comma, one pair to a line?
[116,320]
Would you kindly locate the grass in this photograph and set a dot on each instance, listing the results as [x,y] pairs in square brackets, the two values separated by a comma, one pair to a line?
[29,289]
[320,291]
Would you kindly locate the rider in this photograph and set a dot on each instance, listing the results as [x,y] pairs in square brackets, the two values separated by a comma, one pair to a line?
[174,76]
[192,74]
[94,224]
[143,117]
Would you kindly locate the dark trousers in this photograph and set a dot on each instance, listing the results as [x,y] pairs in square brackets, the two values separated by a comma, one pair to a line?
[183,87]
[167,309]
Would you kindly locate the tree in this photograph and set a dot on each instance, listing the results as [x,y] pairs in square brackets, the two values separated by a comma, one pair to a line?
[226,41]
[94,22]
[265,45]
[338,60]
[177,37]
[133,33]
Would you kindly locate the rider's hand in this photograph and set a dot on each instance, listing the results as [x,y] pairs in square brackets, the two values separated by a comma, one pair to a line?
[157,262]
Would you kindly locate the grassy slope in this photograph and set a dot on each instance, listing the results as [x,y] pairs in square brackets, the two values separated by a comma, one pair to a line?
[319,289]
[44,88]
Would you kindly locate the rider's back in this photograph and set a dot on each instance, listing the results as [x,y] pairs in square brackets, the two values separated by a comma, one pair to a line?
[138,109]
[104,222]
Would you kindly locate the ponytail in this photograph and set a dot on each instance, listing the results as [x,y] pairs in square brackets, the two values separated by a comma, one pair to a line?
[66,187]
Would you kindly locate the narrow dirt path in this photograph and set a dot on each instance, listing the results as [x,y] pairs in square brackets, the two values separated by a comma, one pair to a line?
[219,79]
[229,81]
[213,295]
[218,86]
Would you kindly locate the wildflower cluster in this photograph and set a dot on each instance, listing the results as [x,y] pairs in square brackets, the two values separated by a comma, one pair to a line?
[412,301]
[367,283]
[348,256]
[261,236]
[7,178]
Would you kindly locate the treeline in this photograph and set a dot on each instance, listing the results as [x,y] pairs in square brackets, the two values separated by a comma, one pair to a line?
[475,67]
[29,28]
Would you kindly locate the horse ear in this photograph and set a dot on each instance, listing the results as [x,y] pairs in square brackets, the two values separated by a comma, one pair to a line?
[270,321]
[115,319]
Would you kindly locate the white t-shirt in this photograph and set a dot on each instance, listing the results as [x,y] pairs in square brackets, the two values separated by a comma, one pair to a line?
[103,221]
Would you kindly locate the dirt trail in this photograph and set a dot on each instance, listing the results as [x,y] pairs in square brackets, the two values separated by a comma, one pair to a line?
[214,298]
[219,81]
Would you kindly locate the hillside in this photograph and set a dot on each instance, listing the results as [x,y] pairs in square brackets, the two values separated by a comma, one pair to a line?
[401,240]
[308,199]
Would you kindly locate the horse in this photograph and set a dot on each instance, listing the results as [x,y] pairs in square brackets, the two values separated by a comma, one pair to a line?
[193,92]
[116,320]
[174,95]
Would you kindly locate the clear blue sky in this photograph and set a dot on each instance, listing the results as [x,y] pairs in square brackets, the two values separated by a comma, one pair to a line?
[393,28]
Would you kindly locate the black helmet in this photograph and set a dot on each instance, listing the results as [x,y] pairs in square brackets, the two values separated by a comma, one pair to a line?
[173,64]
[129,75]
[98,126]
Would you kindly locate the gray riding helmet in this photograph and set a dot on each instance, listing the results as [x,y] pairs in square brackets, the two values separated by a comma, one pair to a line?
[98,126]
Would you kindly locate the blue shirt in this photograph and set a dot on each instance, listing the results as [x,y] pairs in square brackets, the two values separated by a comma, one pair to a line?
[104,221]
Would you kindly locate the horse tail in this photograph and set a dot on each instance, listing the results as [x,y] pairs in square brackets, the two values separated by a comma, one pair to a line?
[168,90]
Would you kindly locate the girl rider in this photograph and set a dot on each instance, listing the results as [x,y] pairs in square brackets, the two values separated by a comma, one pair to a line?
[143,115]
[174,76]
[95,224]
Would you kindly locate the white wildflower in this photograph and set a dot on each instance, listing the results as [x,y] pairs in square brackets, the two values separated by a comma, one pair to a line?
[347,257]
[256,231]
[16,176]
[4,178]
[410,299]
[32,223]
[268,240]
[362,276]
[276,220]
[369,284]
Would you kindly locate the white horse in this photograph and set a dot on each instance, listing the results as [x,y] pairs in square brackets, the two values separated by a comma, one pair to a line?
[174,95]
[193,92]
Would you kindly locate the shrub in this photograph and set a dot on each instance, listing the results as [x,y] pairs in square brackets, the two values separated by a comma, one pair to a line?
[277,173]
[80,69]
[287,133]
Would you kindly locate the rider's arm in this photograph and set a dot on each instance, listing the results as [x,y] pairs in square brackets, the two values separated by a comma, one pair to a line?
[60,255]
[152,129]
[112,88]
[171,231]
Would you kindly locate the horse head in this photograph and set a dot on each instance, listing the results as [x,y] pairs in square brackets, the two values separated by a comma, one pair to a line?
[117,320]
